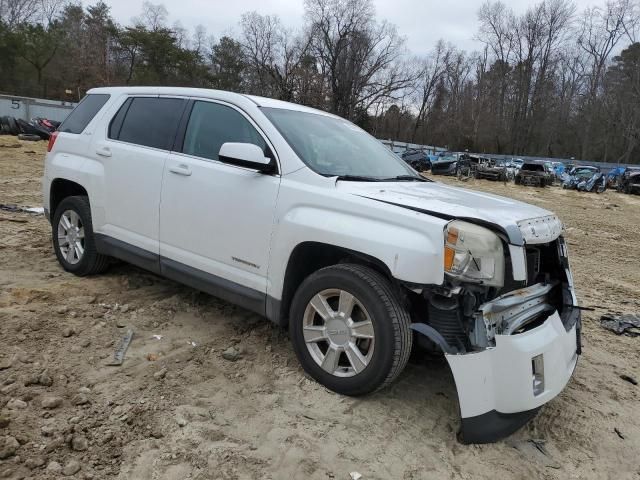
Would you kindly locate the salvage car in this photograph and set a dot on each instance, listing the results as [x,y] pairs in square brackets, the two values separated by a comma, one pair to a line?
[491,170]
[630,180]
[417,159]
[534,173]
[447,163]
[302,217]
[578,174]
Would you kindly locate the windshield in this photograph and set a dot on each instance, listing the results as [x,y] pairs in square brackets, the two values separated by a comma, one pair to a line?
[532,167]
[447,158]
[335,147]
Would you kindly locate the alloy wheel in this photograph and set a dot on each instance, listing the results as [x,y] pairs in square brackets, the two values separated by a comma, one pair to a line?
[338,332]
[71,237]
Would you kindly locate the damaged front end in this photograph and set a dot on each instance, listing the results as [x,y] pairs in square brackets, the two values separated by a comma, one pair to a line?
[507,319]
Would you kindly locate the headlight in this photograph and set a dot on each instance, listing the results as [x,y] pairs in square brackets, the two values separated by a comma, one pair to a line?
[473,253]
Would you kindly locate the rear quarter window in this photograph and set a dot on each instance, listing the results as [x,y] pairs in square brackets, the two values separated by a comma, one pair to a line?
[84,112]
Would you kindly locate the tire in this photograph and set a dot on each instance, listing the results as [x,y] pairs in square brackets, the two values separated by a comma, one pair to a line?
[386,354]
[29,137]
[4,125]
[13,126]
[90,262]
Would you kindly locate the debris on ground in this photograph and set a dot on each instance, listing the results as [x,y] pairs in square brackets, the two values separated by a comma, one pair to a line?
[232,354]
[628,324]
[17,209]
[121,349]
[629,378]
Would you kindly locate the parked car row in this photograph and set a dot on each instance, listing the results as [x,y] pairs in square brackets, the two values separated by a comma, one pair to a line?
[537,173]
[37,129]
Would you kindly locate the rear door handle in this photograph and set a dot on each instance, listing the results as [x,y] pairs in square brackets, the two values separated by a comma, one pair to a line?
[103,151]
[181,169]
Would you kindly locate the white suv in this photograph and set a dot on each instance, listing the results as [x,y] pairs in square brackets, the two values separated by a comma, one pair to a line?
[306,219]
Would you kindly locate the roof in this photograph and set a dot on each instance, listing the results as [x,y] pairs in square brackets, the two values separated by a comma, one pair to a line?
[232,97]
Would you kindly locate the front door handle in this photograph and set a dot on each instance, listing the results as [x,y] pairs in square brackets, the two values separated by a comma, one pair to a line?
[181,169]
[103,151]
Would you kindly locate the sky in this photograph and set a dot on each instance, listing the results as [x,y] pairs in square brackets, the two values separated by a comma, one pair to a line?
[421,22]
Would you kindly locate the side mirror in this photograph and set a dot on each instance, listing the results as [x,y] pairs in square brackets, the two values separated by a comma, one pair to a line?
[245,155]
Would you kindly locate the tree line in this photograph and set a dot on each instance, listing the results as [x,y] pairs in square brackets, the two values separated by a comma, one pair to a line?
[552,81]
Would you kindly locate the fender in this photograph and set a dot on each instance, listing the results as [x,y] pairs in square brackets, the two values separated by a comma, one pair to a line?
[408,243]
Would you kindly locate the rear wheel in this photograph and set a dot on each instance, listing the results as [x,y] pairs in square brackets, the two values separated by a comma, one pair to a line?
[349,329]
[73,238]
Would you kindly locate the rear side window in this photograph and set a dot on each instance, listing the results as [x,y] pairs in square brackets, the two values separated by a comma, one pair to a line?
[212,124]
[84,112]
[147,121]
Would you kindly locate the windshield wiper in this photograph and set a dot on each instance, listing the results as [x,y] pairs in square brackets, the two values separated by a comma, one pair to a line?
[405,178]
[357,178]
[398,178]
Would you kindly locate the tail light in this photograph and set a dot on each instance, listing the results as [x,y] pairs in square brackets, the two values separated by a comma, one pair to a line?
[52,141]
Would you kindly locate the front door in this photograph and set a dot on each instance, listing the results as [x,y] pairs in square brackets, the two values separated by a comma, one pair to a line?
[216,219]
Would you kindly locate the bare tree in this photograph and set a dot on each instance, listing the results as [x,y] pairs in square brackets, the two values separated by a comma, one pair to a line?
[497,24]
[599,33]
[16,12]
[434,66]
[360,58]
[274,54]
[154,16]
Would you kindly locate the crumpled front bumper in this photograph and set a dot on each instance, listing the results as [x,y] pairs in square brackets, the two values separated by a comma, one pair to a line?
[496,386]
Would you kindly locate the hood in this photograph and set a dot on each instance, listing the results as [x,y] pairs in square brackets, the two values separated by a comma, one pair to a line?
[511,216]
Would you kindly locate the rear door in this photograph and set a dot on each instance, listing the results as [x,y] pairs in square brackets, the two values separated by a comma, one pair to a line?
[133,152]
[216,218]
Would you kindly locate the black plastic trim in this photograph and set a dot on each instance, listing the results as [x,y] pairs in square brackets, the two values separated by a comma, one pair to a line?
[435,336]
[493,426]
[268,168]
[129,253]
[212,284]
[182,126]
[217,286]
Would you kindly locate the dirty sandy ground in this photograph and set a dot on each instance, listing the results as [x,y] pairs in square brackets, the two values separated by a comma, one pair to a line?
[177,409]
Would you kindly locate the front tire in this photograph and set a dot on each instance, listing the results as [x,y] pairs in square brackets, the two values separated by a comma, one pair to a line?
[349,329]
[73,238]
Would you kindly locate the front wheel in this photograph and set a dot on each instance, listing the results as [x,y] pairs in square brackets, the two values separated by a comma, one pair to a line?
[73,239]
[349,329]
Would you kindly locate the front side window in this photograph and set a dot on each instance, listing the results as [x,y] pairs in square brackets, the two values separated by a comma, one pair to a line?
[333,146]
[84,112]
[147,121]
[212,124]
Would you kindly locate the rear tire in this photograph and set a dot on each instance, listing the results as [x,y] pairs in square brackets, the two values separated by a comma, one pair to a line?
[377,325]
[29,137]
[74,240]
[13,126]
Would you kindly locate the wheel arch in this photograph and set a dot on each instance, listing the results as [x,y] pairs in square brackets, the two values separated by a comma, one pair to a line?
[62,188]
[308,257]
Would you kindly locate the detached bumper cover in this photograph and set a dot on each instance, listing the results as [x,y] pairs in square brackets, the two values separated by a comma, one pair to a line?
[496,386]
